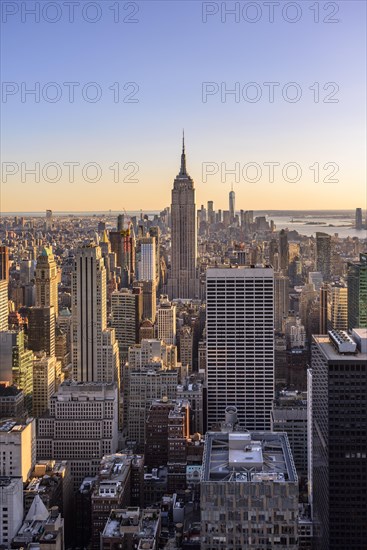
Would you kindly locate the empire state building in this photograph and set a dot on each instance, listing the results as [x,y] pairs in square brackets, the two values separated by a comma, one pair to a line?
[183,281]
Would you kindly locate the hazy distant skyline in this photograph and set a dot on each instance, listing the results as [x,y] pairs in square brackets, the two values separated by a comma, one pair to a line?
[169,53]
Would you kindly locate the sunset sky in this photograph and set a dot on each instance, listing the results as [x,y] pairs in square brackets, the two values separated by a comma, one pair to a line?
[169,52]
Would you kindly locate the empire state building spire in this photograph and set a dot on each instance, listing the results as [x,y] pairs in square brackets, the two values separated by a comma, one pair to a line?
[183,156]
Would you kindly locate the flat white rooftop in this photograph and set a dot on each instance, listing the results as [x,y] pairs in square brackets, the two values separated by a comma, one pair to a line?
[247,457]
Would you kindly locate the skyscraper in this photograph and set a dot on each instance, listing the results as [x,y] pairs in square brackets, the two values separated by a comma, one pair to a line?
[120,222]
[323,254]
[183,282]
[4,280]
[143,387]
[155,233]
[49,221]
[186,347]
[127,310]
[339,440]
[359,221]
[149,291]
[240,344]
[337,308]
[123,245]
[211,213]
[166,321]
[281,300]
[4,308]
[232,204]
[44,383]
[323,322]
[93,344]
[27,269]
[41,329]
[4,263]
[46,280]
[273,250]
[357,293]
[147,262]
[16,364]
[283,251]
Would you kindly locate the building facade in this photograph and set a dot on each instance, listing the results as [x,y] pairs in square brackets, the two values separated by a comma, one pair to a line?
[81,427]
[47,280]
[44,382]
[323,254]
[126,316]
[147,263]
[166,321]
[357,293]
[41,329]
[18,447]
[89,320]
[240,344]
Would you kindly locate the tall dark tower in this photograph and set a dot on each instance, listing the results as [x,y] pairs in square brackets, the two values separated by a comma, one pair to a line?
[120,222]
[183,282]
[4,263]
[359,221]
[323,255]
[338,424]
[284,251]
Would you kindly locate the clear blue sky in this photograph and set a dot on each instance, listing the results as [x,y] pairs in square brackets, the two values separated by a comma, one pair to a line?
[169,53]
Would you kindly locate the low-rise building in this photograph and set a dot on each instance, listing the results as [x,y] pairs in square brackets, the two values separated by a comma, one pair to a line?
[18,447]
[52,481]
[112,490]
[249,492]
[132,528]
[42,528]
[291,417]
[11,508]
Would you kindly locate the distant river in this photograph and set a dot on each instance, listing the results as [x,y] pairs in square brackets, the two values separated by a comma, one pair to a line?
[301,225]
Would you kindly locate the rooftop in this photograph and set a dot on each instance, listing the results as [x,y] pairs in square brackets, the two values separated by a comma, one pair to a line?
[40,524]
[9,391]
[330,351]
[6,481]
[87,484]
[13,426]
[247,457]
[342,341]
[114,470]
[143,524]
[85,391]
[236,271]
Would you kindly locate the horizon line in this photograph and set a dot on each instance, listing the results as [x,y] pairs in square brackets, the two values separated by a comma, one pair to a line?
[142,210]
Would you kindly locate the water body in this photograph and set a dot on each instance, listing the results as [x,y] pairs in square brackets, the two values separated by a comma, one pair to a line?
[325,225]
